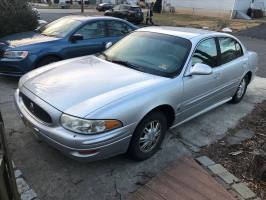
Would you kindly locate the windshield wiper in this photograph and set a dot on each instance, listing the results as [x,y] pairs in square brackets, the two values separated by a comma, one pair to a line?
[104,55]
[49,35]
[127,64]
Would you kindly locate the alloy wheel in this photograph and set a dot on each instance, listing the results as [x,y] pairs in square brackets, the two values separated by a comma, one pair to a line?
[150,136]
[241,88]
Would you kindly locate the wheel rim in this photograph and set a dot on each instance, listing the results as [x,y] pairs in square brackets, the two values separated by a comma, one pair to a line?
[241,89]
[150,136]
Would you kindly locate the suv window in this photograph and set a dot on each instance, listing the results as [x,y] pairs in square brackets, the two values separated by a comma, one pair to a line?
[116,28]
[124,7]
[206,53]
[230,49]
[92,30]
[117,7]
[136,9]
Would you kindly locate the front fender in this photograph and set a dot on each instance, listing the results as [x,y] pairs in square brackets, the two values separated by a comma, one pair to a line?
[133,108]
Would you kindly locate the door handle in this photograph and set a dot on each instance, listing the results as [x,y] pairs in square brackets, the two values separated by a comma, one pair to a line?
[217,76]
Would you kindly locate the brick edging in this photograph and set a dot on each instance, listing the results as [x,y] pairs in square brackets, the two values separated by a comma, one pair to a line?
[25,191]
[227,180]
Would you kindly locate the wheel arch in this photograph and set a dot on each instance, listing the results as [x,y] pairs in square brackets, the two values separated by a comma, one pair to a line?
[167,110]
[47,56]
[249,75]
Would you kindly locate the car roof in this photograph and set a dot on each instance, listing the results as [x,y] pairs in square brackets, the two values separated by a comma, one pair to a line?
[187,33]
[130,5]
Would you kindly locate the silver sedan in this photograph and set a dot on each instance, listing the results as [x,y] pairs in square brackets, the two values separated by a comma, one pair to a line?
[125,99]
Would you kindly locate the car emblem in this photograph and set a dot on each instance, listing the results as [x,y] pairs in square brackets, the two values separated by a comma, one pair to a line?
[31,107]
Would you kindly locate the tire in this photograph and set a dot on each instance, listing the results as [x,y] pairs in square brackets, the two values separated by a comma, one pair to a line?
[241,90]
[46,61]
[152,140]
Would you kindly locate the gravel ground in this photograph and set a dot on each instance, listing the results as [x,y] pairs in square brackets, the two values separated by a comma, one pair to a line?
[221,152]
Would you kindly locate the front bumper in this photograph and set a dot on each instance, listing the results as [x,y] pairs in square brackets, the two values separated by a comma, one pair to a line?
[74,145]
[15,68]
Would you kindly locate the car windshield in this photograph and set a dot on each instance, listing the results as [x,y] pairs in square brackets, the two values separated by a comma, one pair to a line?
[59,28]
[154,53]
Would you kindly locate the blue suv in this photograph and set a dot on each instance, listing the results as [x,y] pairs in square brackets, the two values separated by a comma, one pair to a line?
[68,37]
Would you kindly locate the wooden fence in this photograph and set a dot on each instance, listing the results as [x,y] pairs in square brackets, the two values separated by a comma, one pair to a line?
[8,186]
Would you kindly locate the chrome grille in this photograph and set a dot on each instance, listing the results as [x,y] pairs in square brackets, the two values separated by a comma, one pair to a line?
[36,110]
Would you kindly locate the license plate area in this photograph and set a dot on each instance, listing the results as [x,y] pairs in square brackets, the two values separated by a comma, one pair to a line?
[35,131]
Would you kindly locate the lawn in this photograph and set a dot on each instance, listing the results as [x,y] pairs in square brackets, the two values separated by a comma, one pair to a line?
[212,23]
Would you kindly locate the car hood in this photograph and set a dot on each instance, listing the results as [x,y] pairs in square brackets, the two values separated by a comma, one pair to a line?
[83,85]
[26,38]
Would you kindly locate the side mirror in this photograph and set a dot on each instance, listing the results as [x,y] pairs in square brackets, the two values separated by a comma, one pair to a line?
[76,37]
[200,69]
[108,45]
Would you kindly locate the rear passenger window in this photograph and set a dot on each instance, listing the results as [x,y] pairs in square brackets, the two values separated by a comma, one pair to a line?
[230,50]
[116,28]
[206,53]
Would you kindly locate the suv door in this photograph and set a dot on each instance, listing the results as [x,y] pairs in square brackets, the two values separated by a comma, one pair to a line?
[116,10]
[116,30]
[232,64]
[123,11]
[94,40]
[199,90]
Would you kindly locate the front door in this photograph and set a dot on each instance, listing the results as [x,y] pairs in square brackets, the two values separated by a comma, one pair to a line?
[200,90]
[94,40]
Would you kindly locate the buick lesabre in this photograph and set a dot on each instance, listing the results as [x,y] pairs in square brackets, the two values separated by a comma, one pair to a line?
[125,99]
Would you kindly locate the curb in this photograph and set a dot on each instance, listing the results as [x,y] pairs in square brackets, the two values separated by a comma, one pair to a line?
[227,180]
[24,190]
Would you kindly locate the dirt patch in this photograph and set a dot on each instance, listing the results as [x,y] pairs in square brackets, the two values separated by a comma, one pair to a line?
[221,152]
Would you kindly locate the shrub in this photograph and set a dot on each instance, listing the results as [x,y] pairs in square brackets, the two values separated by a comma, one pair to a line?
[16,16]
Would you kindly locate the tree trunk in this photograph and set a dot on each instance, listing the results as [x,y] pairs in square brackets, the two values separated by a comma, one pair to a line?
[257,166]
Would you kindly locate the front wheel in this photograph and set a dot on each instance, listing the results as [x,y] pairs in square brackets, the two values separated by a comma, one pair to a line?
[47,60]
[148,136]
[241,90]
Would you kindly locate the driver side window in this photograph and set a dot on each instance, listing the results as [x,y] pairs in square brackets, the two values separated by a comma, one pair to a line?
[206,53]
[92,30]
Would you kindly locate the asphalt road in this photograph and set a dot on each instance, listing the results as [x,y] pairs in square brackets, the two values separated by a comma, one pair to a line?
[53,14]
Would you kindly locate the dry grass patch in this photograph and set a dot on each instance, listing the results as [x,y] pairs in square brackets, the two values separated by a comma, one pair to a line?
[212,23]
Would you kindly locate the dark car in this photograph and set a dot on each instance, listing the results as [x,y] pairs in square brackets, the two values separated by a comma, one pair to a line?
[104,6]
[68,37]
[132,13]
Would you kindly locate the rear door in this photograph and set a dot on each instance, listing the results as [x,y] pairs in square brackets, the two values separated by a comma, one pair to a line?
[232,64]
[200,90]
[94,40]
[117,29]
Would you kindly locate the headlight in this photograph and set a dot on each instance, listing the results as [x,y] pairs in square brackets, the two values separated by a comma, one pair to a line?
[85,126]
[16,54]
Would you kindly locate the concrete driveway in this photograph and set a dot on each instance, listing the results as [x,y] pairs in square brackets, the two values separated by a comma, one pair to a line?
[54,176]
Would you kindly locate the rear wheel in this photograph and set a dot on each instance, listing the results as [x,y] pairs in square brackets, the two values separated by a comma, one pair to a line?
[47,60]
[241,90]
[148,136]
